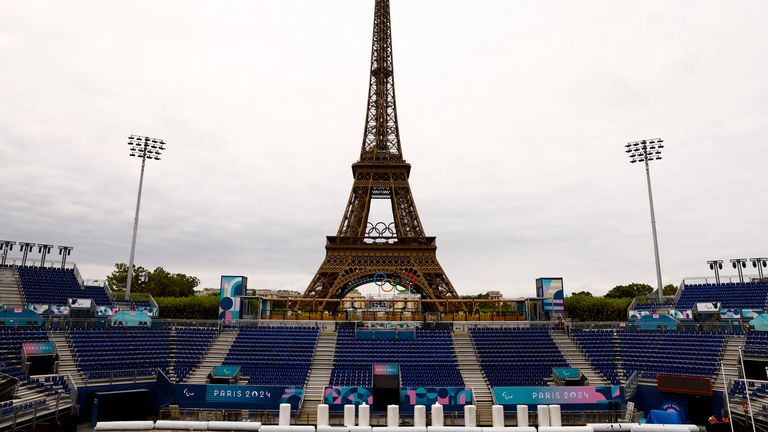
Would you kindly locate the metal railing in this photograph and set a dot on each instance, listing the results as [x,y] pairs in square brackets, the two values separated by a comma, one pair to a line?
[630,387]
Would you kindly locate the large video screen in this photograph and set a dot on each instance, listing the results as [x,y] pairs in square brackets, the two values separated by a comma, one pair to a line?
[551,290]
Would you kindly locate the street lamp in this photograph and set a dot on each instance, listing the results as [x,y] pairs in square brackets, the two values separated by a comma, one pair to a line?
[5,246]
[145,148]
[64,251]
[716,265]
[739,264]
[43,249]
[759,264]
[647,151]
[25,248]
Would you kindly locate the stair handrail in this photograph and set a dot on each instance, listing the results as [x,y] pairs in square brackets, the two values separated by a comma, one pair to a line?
[630,387]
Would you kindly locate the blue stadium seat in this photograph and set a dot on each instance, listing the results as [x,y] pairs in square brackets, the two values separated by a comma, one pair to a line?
[516,357]
[426,361]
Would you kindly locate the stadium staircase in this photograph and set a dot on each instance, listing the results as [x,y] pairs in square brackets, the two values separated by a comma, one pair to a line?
[469,365]
[214,357]
[575,358]
[10,288]
[67,362]
[730,361]
[319,375]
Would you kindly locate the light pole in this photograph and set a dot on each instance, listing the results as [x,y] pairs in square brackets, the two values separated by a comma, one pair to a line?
[739,264]
[44,250]
[5,246]
[25,248]
[647,151]
[64,251]
[759,264]
[145,148]
[716,265]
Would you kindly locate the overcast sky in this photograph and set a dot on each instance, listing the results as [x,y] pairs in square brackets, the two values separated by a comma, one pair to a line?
[513,115]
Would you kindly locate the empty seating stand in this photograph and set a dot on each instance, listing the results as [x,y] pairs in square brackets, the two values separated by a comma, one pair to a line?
[426,361]
[120,352]
[653,352]
[757,344]
[516,357]
[191,345]
[274,355]
[56,286]
[11,340]
[599,348]
[752,295]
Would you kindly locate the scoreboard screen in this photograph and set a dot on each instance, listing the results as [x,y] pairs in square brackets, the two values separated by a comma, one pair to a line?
[684,384]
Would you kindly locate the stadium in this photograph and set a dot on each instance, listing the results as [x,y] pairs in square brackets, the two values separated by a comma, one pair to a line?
[79,354]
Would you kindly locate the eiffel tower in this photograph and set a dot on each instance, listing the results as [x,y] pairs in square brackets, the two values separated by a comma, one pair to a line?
[362,249]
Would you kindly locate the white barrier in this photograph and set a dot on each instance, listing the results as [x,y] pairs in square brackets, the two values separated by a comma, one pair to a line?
[420,416]
[565,429]
[323,420]
[349,415]
[393,422]
[124,425]
[181,425]
[555,417]
[497,416]
[233,426]
[363,419]
[664,428]
[612,427]
[437,415]
[542,415]
[470,416]
[284,423]
[522,416]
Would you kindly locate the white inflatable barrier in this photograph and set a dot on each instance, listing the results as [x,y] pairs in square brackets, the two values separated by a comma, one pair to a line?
[542,415]
[438,424]
[323,419]
[349,415]
[284,423]
[497,415]
[181,425]
[233,426]
[555,416]
[363,419]
[565,429]
[124,425]
[393,421]
[612,427]
[522,415]
[664,428]
[420,417]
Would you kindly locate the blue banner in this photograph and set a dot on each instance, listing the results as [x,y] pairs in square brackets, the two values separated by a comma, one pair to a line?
[571,397]
[237,396]
[226,371]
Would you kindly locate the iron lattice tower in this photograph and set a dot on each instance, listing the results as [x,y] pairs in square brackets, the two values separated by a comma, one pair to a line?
[361,249]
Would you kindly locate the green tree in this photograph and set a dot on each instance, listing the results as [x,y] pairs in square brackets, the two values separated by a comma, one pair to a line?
[202,307]
[669,290]
[583,293]
[118,279]
[588,308]
[629,291]
[158,282]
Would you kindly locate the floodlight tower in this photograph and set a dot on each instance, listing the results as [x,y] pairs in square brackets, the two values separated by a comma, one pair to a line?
[64,251]
[739,264]
[44,250]
[759,264]
[145,148]
[647,151]
[25,248]
[5,246]
[716,265]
